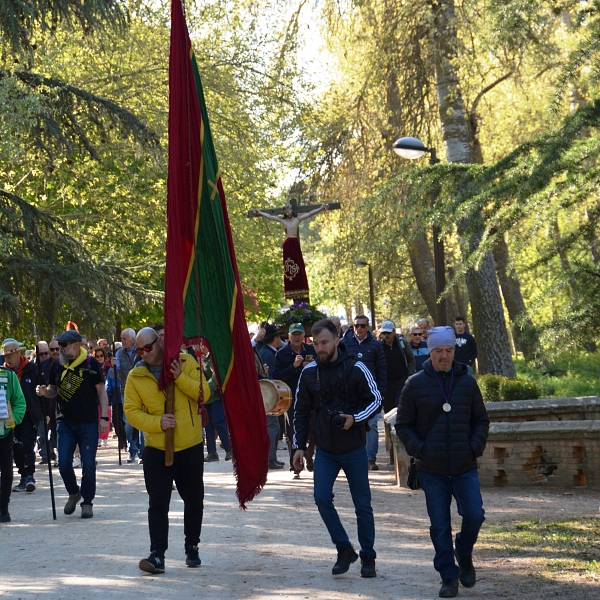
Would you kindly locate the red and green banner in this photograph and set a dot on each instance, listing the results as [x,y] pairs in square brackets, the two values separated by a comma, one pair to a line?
[202,287]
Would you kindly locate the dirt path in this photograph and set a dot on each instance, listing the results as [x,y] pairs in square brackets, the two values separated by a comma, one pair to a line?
[279,548]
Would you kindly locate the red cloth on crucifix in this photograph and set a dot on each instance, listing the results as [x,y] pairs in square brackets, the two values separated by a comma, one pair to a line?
[294,271]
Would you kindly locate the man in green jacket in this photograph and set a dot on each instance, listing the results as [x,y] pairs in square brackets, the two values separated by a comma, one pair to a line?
[12,411]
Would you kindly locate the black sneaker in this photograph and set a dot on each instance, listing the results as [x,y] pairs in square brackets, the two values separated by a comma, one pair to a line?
[467,570]
[367,568]
[346,556]
[192,558]
[30,484]
[449,588]
[373,466]
[20,487]
[212,457]
[4,514]
[228,455]
[275,465]
[153,564]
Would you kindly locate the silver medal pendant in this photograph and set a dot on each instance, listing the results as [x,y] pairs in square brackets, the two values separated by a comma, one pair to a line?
[360,355]
[447,407]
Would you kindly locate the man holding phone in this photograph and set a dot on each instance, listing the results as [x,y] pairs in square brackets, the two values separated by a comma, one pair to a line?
[289,362]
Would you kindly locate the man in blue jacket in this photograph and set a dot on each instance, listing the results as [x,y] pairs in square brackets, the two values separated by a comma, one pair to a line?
[362,345]
[443,423]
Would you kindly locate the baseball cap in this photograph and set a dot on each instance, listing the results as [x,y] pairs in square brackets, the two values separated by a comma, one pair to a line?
[296,327]
[388,327]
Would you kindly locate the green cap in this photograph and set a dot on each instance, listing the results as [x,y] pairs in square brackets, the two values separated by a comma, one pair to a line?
[296,327]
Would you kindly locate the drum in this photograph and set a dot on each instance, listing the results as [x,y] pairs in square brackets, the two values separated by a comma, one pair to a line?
[277,396]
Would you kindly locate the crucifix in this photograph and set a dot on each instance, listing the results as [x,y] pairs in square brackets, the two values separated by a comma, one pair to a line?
[294,271]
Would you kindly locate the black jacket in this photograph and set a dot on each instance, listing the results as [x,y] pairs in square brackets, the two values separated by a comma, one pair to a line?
[408,365]
[29,381]
[371,354]
[466,349]
[458,437]
[284,369]
[345,386]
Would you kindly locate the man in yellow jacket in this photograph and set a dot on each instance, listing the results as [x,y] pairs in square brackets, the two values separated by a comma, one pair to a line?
[145,410]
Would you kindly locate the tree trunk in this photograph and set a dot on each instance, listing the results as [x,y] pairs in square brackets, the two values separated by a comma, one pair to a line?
[526,338]
[422,264]
[486,304]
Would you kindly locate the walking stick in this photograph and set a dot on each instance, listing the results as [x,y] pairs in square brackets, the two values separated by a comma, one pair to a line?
[43,402]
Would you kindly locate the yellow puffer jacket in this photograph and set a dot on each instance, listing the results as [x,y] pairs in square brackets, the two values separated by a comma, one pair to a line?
[145,405]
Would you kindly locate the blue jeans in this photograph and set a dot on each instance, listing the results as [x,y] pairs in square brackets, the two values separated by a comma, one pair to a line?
[373,438]
[216,424]
[355,466]
[438,496]
[86,435]
[273,431]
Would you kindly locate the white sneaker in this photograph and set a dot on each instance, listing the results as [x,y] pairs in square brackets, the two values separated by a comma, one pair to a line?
[76,462]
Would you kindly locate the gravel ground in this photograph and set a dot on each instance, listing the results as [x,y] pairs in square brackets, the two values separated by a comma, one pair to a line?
[279,548]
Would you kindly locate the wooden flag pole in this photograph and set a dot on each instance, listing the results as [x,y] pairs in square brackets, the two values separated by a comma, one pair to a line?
[170,433]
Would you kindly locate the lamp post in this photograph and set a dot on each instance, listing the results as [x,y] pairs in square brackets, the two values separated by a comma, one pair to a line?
[412,148]
[364,263]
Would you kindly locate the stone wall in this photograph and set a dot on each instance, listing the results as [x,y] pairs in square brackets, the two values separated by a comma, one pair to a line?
[546,409]
[565,453]
[552,442]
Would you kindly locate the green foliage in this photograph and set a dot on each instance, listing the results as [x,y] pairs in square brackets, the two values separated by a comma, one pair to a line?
[300,312]
[83,134]
[516,389]
[25,23]
[495,388]
[490,387]
[574,373]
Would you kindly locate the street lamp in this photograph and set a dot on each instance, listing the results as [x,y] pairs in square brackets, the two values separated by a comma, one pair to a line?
[364,263]
[413,148]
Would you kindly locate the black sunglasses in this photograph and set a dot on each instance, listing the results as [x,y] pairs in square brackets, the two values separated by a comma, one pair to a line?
[360,325]
[416,334]
[146,348]
[64,344]
[54,349]
[44,353]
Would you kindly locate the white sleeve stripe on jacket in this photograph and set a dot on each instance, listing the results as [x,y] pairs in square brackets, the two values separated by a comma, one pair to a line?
[372,408]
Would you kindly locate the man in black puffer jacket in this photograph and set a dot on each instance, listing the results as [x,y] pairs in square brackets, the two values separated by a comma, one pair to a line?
[344,396]
[363,346]
[443,423]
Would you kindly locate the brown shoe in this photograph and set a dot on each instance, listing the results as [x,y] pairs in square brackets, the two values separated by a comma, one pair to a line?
[71,504]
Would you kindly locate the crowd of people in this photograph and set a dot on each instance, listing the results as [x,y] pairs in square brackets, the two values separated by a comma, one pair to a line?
[64,401]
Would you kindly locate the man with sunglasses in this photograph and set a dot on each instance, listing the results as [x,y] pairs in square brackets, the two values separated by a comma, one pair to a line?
[78,385]
[362,345]
[419,347]
[145,410]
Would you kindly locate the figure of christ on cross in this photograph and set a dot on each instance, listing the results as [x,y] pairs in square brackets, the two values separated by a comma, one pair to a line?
[294,271]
